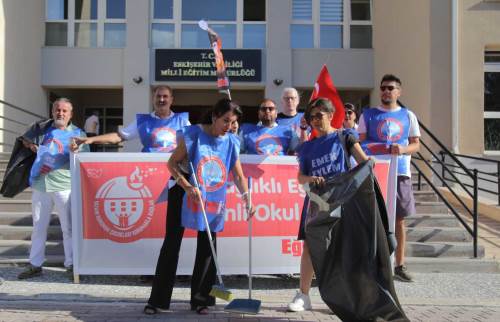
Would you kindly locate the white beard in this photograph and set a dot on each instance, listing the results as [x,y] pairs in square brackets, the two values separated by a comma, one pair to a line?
[59,123]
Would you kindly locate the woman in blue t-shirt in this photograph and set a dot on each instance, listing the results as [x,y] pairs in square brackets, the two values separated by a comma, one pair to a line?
[214,152]
[319,159]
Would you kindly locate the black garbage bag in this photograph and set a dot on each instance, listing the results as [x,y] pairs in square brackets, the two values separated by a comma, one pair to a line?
[350,247]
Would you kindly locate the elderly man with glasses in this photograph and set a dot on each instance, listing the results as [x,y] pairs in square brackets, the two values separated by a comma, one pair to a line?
[267,137]
[289,116]
[395,126]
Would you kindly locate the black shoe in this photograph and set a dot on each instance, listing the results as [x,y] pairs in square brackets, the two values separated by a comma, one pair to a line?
[401,274]
[31,271]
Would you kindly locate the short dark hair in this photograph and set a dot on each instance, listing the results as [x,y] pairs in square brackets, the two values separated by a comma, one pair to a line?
[220,108]
[390,78]
[324,104]
[168,88]
[265,100]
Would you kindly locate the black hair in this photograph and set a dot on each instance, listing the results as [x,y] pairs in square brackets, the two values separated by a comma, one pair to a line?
[390,78]
[323,103]
[220,108]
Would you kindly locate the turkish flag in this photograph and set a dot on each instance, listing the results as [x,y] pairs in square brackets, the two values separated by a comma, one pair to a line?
[324,88]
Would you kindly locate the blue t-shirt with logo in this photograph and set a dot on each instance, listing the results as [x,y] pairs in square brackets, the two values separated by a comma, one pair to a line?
[212,158]
[258,139]
[159,135]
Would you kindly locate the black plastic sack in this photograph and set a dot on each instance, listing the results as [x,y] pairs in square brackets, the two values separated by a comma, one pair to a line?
[347,236]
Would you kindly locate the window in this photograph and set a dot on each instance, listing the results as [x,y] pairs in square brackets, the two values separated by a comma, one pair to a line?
[331,24]
[85,23]
[492,101]
[56,27]
[240,25]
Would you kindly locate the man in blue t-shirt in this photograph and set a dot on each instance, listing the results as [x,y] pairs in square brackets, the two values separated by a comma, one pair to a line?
[396,127]
[156,130]
[289,116]
[267,137]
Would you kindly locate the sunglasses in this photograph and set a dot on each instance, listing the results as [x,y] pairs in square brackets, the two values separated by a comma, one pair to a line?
[318,116]
[267,108]
[349,112]
[390,88]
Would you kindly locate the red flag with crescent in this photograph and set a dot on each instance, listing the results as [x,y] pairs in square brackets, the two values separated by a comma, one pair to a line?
[324,88]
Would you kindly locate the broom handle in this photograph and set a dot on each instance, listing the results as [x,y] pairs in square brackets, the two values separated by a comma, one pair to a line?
[249,240]
[207,226]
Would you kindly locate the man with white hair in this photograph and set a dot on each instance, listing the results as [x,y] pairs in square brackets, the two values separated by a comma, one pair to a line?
[289,116]
[50,179]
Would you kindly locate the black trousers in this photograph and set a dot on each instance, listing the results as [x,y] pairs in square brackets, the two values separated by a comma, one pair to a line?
[204,272]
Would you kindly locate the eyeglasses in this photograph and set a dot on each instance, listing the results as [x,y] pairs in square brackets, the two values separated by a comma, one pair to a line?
[318,116]
[349,112]
[289,98]
[267,108]
[390,88]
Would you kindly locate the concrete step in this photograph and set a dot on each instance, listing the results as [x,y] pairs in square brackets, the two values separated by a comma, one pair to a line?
[22,248]
[425,195]
[451,265]
[15,260]
[423,185]
[425,207]
[11,205]
[23,219]
[2,173]
[443,249]
[432,220]
[3,164]
[24,232]
[4,156]
[415,264]
[437,234]
[25,195]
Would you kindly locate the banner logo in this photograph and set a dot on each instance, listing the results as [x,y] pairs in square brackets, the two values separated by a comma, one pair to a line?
[124,206]
[211,173]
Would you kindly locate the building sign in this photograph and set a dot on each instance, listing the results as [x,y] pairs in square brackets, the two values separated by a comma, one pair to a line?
[198,65]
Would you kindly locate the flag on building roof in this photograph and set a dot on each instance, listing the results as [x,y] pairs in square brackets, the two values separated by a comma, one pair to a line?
[216,45]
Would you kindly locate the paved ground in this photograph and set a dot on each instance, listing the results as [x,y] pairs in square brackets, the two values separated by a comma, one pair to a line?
[52,297]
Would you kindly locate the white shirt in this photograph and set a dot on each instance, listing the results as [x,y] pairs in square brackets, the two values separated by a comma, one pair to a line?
[91,124]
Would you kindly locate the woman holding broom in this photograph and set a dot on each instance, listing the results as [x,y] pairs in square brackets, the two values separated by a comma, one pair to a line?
[212,151]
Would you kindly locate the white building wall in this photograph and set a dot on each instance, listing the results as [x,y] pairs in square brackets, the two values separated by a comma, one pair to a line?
[21,37]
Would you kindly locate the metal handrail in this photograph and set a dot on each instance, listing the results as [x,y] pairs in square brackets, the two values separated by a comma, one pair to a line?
[22,109]
[450,171]
[17,108]
[495,175]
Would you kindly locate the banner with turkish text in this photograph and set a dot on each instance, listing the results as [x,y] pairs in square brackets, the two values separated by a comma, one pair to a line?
[119,218]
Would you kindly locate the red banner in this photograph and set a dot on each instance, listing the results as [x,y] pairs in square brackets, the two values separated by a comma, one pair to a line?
[120,200]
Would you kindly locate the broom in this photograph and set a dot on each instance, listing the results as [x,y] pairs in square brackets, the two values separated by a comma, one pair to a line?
[218,291]
[246,306]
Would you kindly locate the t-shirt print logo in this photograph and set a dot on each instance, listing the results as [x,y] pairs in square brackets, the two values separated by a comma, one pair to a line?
[211,173]
[390,129]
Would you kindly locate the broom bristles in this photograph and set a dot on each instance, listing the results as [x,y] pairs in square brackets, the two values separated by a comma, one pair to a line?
[221,293]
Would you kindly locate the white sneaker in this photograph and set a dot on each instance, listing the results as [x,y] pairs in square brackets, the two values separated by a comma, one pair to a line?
[301,302]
